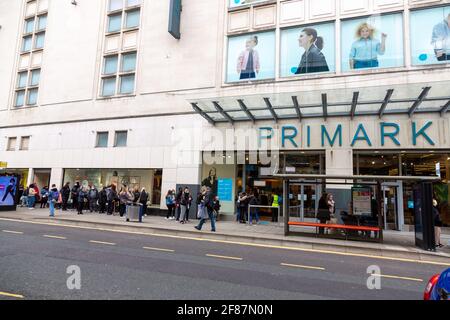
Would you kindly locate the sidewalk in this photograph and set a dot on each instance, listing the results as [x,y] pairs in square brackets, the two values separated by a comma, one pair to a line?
[396,244]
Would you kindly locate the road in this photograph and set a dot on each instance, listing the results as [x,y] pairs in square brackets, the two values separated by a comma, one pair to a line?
[34,258]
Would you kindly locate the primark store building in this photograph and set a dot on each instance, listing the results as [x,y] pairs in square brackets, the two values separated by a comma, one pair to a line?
[131,93]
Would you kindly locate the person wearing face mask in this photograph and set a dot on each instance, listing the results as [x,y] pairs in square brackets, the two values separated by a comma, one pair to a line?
[365,50]
[313,60]
[248,64]
[186,200]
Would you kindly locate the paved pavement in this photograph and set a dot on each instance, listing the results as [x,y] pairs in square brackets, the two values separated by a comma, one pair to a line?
[396,244]
[119,264]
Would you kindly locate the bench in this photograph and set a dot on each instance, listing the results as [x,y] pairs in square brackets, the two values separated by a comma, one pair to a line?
[335,226]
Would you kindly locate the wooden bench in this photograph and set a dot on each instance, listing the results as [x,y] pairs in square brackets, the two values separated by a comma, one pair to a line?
[335,226]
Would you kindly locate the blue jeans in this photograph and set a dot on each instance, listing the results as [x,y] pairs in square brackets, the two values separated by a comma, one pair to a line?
[363,64]
[254,213]
[31,201]
[211,217]
[51,205]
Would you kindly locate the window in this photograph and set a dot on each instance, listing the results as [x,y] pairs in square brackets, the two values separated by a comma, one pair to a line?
[127,84]
[430,36]
[109,87]
[42,22]
[28,77]
[39,43]
[110,65]
[11,144]
[35,75]
[132,19]
[132,3]
[26,44]
[102,140]
[20,97]
[115,5]
[29,25]
[32,96]
[237,3]
[373,42]
[118,75]
[114,22]
[262,46]
[295,61]
[22,79]
[128,62]
[121,139]
[24,143]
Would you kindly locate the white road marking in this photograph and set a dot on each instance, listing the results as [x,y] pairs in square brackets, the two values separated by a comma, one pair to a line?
[14,232]
[223,257]
[158,249]
[102,242]
[302,267]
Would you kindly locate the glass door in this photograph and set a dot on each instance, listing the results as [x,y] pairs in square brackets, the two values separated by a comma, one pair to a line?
[390,201]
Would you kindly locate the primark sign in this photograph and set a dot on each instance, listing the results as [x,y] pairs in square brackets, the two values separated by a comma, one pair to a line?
[405,134]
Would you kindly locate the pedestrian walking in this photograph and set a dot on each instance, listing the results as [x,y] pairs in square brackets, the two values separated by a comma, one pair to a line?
[200,201]
[65,195]
[93,198]
[208,213]
[52,198]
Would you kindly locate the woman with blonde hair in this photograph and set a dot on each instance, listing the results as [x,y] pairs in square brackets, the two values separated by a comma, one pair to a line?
[364,52]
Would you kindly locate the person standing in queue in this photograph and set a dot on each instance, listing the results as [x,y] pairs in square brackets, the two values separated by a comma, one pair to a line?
[74,193]
[65,195]
[324,213]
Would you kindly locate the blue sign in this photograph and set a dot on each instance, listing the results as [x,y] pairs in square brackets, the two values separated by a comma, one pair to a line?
[410,204]
[225,189]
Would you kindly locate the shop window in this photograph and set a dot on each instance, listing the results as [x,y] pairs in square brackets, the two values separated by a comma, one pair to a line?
[376,164]
[430,36]
[307,50]
[251,57]
[121,139]
[237,3]
[373,42]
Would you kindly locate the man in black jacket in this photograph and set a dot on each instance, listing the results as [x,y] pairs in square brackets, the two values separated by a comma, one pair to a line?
[102,200]
[65,195]
[75,191]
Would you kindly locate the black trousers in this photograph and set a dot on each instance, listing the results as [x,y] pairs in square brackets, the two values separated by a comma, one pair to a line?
[102,207]
[80,206]
[170,212]
[64,203]
[74,203]
[110,207]
[323,221]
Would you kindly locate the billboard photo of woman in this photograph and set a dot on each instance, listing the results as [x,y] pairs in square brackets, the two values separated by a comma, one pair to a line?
[313,60]
[441,39]
[248,64]
[7,191]
[365,51]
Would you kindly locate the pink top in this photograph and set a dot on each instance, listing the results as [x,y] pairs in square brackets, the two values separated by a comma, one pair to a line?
[243,60]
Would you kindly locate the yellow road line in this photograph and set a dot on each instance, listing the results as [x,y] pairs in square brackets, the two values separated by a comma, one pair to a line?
[158,249]
[101,242]
[6,294]
[397,277]
[257,245]
[223,257]
[302,267]
[54,237]
[15,232]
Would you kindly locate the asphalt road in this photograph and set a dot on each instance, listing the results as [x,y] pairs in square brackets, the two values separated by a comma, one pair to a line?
[115,265]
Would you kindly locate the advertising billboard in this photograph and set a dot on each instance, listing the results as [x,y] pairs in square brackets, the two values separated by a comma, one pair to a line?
[8,191]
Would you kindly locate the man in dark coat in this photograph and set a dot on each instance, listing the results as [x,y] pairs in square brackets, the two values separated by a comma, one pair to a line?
[65,195]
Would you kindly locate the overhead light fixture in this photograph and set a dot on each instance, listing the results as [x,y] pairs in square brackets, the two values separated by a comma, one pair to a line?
[74,2]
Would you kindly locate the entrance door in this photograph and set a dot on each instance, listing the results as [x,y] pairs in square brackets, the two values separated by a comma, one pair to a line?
[304,201]
[391,206]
